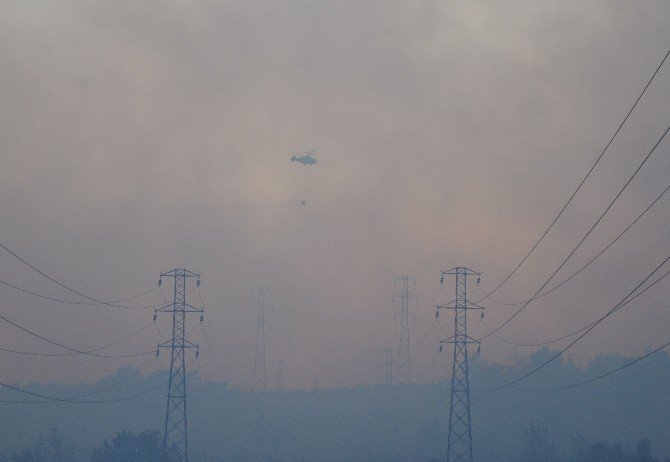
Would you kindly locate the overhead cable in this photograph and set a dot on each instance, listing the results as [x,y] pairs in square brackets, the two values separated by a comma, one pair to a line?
[572,196]
[68,288]
[602,215]
[76,350]
[632,295]
[605,249]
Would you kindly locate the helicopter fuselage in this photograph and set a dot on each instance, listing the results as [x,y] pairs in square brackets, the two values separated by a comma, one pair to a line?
[304,160]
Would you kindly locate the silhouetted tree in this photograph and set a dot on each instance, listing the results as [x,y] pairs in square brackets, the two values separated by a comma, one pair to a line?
[643,451]
[53,449]
[129,447]
[604,452]
[537,447]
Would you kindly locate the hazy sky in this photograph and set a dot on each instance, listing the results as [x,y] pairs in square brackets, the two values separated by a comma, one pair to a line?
[137,137]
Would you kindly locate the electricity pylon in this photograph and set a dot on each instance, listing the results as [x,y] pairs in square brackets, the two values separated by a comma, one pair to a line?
[260,382]
[388,364]
[279,376]
[175,435]
[459,446]
[404,297]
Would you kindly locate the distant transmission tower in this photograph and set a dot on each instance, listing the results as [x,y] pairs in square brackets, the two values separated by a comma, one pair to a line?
[459,446]
[175,436]
[388,364]
[260,370]
[404,298]
[279,376]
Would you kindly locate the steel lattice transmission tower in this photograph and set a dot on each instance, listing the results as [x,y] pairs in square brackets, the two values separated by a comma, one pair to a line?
[388,366]
[404,298]
[459,446]
[175,435]
[260,382]
[280,376]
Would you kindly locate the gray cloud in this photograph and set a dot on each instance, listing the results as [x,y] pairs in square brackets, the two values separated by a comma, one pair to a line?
[139,136]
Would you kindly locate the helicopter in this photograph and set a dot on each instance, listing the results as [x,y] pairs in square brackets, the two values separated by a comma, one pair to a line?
[305,158]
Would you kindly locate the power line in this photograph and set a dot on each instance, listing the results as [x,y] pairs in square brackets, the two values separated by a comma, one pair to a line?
[432,300]
[209,347]
[444,291]
[211,327]
[160,334]
[590,261]
[580,184]
[202,371]
[204,331]
[554,340]
[70,302]
[428,307]
[584,382]
[481,320]
[66,287]
[202,303]
[427,332]
[90,351]
[128,337]
[444,332]
[240,357]
[436,320]
[624,301]
[134,373]
[593,379]
[78,351]
[606,374]
[546,342]
[53,355]
[644,161]
[430,366]
[53,399]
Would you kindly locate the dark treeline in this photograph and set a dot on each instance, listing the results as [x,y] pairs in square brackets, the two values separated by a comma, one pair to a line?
[622,418]
[145,446]
[538,447]
[125,446]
